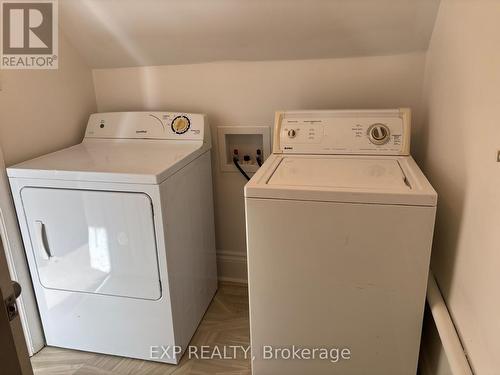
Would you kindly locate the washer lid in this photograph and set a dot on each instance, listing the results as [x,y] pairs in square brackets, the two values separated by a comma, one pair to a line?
[121,160]
[366,173]
[340,178]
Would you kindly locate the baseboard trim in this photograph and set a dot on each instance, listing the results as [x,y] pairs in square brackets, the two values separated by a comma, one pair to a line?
[233,280]
[232,266]
[235,256]
[448,334]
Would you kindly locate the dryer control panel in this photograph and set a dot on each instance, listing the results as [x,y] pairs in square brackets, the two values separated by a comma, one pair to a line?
[148,125]
[374,132]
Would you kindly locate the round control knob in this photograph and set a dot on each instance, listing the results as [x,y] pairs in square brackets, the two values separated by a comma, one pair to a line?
[292,133]
[379,134]
[180,124]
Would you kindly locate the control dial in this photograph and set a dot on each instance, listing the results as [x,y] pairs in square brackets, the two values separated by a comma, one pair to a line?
[180,124]
[292,133]
[379,134]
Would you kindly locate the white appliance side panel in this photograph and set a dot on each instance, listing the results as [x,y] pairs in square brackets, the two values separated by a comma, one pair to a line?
[95,322]
[337,275]
[187,203]
[93,241]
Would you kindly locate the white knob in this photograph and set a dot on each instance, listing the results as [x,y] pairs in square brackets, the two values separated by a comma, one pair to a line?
[292,133]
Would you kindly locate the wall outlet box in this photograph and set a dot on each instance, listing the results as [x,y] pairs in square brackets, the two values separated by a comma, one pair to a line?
[247,140]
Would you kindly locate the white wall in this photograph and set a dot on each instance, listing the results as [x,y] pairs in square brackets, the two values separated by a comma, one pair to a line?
[458,148]
[248,93]
[45,110]
[124,33]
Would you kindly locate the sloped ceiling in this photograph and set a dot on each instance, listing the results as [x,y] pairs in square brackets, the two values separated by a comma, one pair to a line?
[118,33]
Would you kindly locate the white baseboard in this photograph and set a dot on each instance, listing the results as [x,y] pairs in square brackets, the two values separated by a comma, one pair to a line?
[233,280]
[232,266]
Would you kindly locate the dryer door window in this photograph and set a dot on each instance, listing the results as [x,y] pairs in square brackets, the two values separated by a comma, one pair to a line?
[93,241]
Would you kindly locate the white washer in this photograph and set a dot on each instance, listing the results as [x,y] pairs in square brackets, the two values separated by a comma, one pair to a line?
[119,234]
[339,229]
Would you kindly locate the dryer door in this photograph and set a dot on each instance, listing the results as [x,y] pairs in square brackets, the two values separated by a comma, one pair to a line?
[93,241]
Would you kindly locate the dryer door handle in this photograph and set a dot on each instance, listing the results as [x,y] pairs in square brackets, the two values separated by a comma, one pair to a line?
[41,242]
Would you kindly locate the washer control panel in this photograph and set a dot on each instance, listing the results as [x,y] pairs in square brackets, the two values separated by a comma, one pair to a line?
[377,132]
[147,125]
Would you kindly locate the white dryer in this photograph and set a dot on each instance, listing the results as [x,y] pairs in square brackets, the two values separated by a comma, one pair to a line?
[339,228]
[119,234]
